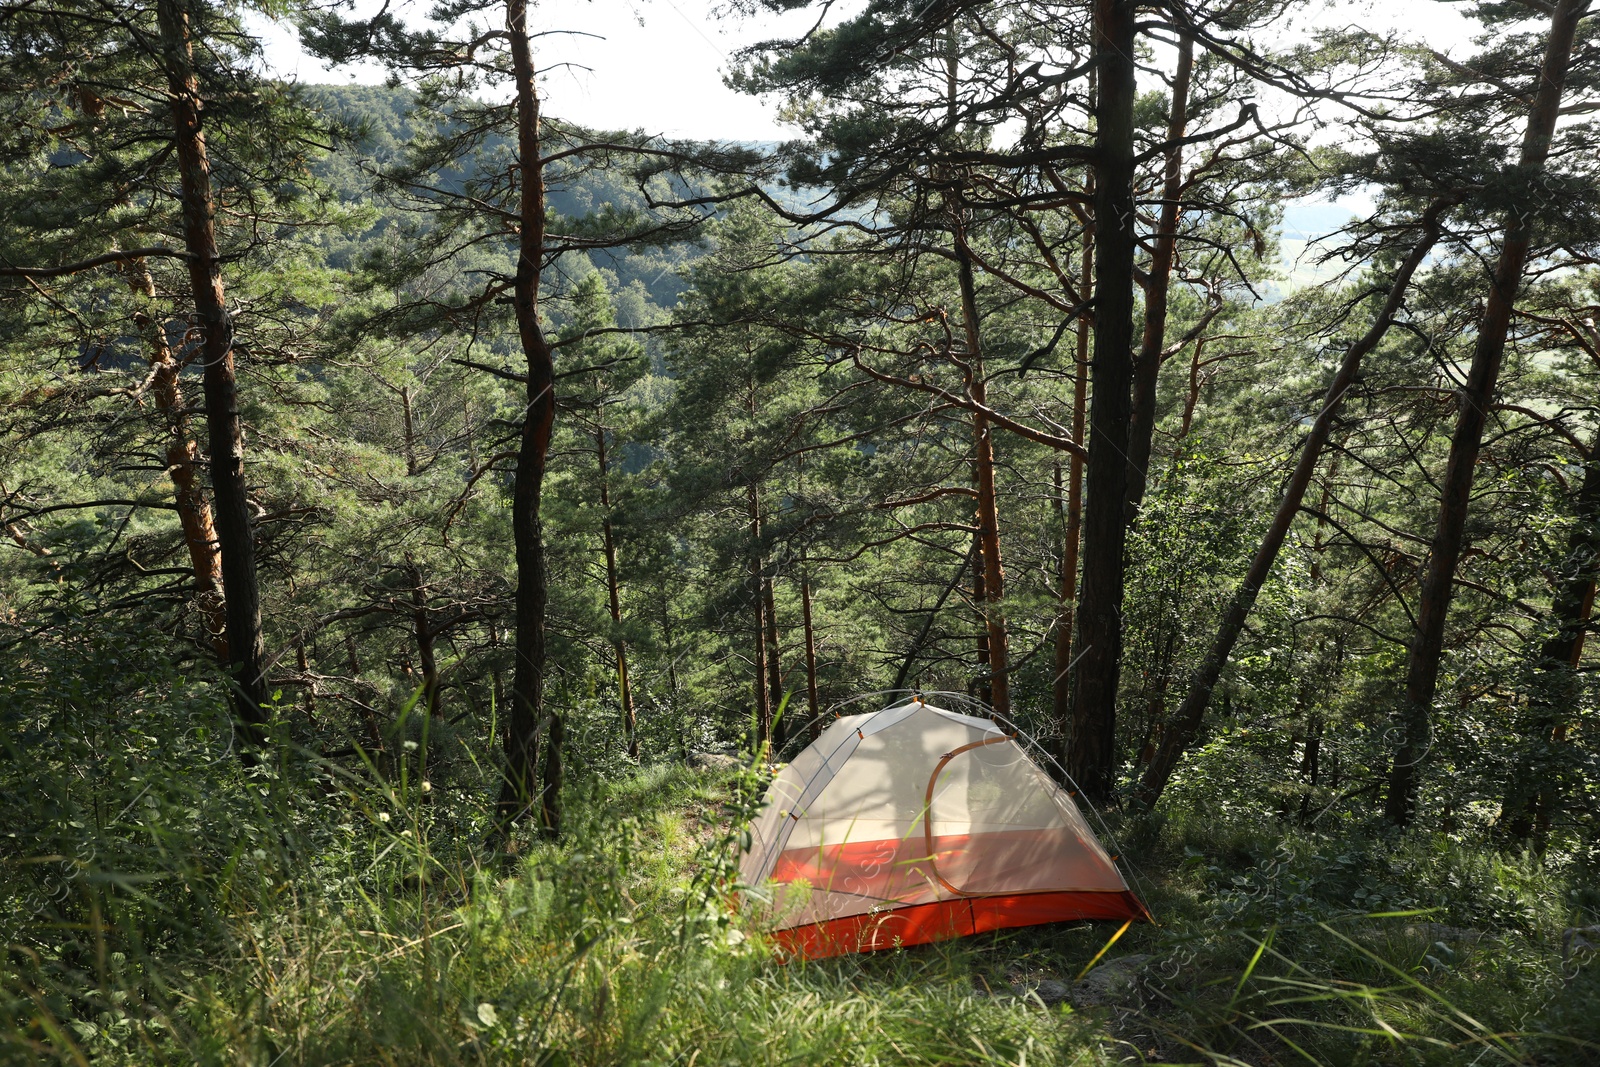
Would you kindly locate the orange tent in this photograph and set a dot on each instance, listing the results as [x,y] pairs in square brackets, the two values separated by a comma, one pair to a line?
[917,824]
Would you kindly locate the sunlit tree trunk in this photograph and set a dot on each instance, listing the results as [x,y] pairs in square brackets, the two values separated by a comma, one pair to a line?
[184,460]
[214,336]
[981,682]
[992,595]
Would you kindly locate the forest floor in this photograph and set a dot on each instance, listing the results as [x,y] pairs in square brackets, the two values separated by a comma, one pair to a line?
[1274,945]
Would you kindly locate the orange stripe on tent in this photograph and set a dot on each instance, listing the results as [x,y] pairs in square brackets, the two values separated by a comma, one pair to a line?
[920,924]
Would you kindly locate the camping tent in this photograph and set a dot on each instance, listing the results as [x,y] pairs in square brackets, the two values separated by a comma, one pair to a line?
[916,824]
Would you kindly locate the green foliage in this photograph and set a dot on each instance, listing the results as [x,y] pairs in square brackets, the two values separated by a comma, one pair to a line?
[617,947]
[302,912]
[781,404]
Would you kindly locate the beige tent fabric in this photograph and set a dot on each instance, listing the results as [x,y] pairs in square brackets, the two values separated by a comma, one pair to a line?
[849,828]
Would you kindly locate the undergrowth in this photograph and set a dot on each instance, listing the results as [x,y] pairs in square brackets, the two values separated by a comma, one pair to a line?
[298,912]
[617,947]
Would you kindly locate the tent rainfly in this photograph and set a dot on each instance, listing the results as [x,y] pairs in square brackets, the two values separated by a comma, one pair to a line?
[916,824]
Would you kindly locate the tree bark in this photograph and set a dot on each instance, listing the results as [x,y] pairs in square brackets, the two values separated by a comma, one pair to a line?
[988,515]
[422,631]
[183,469]
[1475,399]
[550,792]
[980,682]
[1147,368]
[780,728]
[614,594]
[759,682]
[224,427]
[814,723]
[1072,532]
[303,662]
[1090,755]
[1191,398]
[523,722]
[409,431]
[496,681]
[1533,797]
[1185,724]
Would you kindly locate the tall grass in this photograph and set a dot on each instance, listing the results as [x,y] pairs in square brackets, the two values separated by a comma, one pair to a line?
[617,947]
[162,904]
[1361,947]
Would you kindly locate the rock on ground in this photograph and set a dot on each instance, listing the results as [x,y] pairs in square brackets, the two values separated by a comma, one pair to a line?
[1441,932]
[1048,990]
[1579,941]
[1110,981]
[711,761]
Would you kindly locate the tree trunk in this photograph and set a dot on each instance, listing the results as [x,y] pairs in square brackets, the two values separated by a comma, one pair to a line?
[1061,684]
[1147,368]
[303,662]
[668,644]
[993,588]
[1475,399]
[981,679]
[1191,397]
[496,682]
[1159,682]
[1310,766]
[992,597]
[1090,755]
[550,794]
[1533,796]
[614,593]
[1186,720]
[409,431]
[815,720]
[780,728]
[183,469]
[538,421]
[759,682]
[932,616]
[224,427]
[423,632]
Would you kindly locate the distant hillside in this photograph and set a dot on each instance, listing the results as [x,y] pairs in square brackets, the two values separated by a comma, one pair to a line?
[385,124]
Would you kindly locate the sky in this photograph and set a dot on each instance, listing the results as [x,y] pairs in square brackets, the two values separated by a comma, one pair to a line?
[659,64]
[651,64]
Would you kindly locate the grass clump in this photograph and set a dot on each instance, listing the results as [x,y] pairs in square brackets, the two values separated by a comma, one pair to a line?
[164,904]
[617,946]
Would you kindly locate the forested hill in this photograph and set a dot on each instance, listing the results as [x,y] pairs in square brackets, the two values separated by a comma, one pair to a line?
[376,126]
[426,527]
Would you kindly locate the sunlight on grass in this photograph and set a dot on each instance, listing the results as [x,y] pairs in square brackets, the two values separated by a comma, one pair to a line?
[620,946]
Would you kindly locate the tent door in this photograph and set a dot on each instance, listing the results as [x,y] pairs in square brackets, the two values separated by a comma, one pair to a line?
[927,821]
